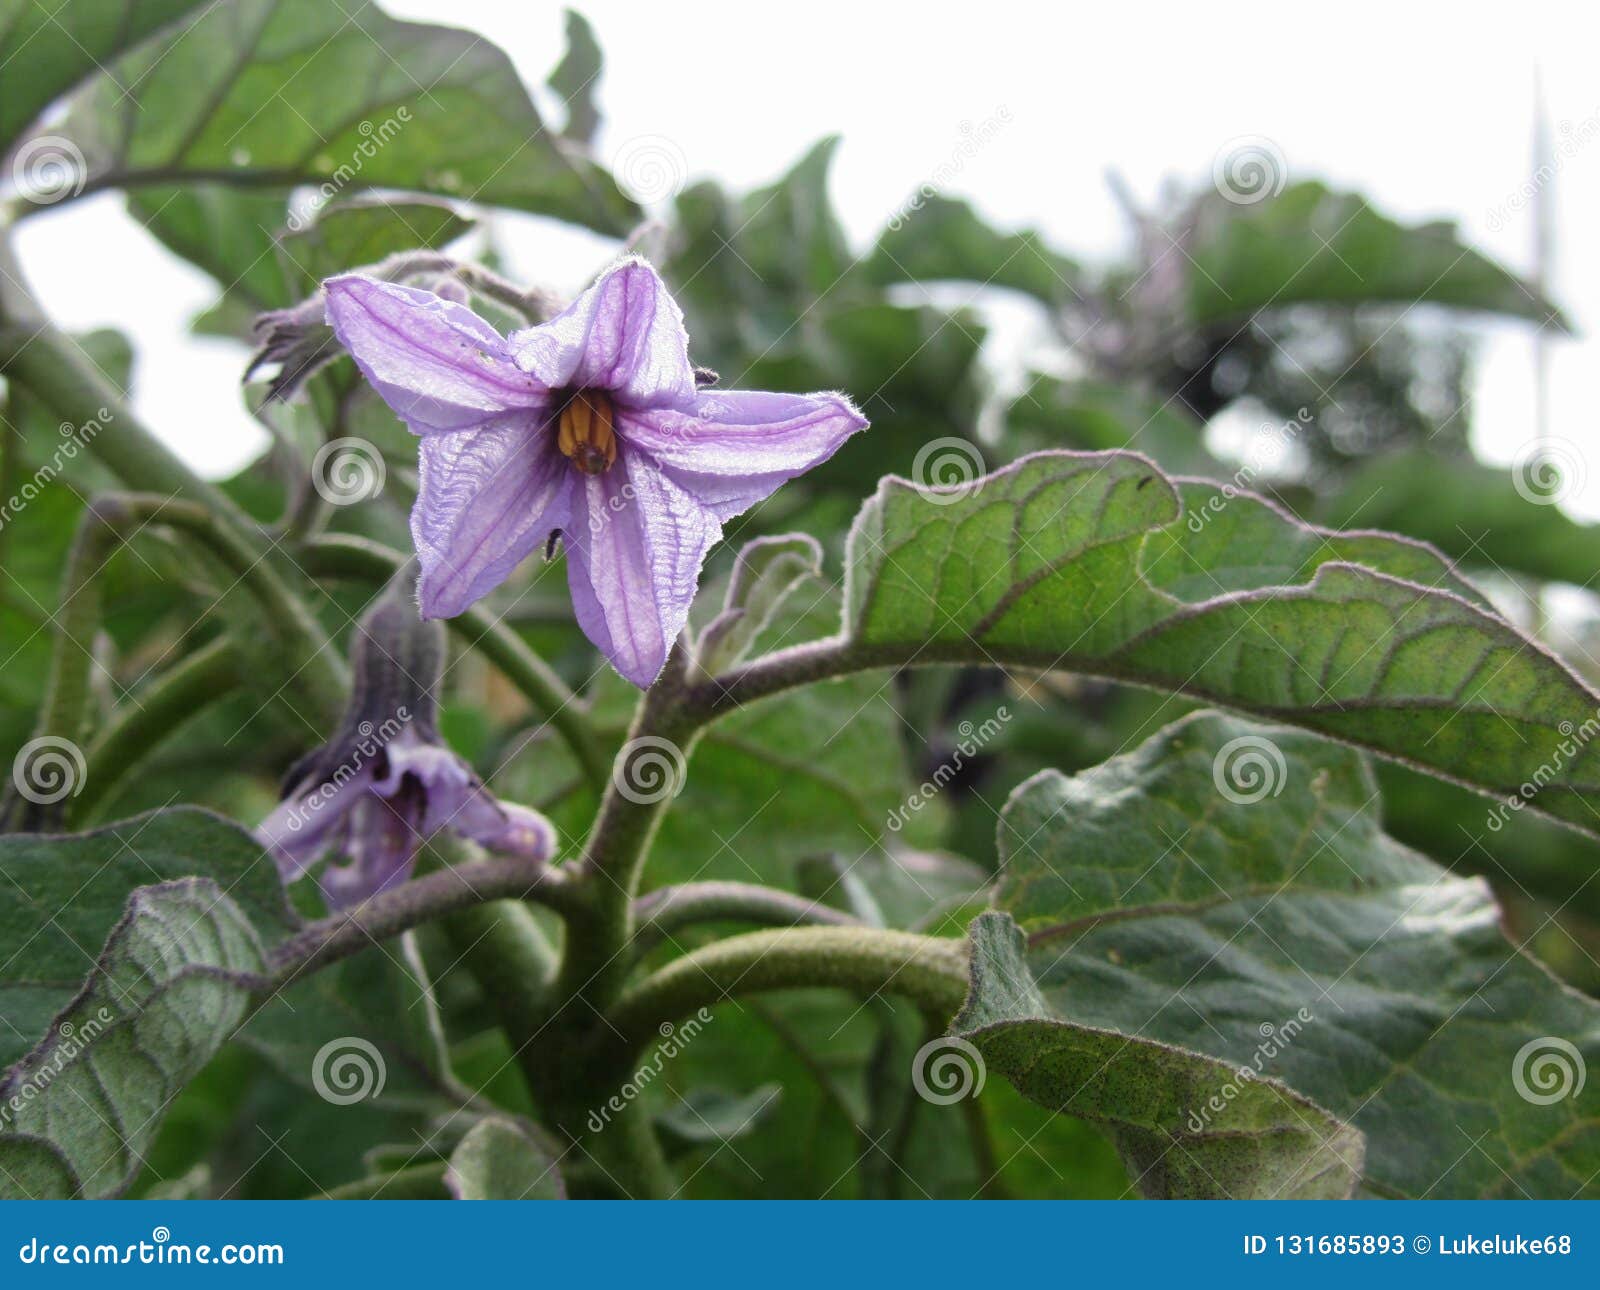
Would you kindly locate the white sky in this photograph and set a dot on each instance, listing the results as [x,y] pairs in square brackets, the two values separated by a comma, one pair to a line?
[1428,109]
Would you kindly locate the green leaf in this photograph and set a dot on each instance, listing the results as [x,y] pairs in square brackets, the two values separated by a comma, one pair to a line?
[47,49]
[1311,245]
[63,895]
[1226,889]
[576,77]
[943,238]
[283,92]
[498,1160]
[1272,1144]
[766,571]
[173,981]
[1100,564]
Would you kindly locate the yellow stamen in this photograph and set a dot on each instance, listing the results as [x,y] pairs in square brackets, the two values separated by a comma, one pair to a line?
[585,434]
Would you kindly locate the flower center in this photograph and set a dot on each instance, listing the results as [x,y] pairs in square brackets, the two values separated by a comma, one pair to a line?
[584,431]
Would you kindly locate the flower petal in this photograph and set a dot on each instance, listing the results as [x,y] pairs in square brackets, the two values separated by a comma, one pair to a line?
[381,851]
[305,824]
[486,499]
[633,561]
[524,833]
[436,363]
[733,448]
[624,334]
[453,797]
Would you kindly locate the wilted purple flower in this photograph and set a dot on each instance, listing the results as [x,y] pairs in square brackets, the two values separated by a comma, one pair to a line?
[591,424]
[386,781]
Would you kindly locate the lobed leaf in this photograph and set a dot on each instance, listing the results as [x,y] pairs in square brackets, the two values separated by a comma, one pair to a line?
[1099,563]
[1226,889]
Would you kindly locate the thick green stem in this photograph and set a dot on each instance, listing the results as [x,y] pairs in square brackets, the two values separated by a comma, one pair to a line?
[160,708]
[350,557]
[669,909]
[930,971]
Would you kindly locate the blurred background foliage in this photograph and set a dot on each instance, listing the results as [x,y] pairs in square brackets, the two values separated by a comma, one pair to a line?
[1308,321]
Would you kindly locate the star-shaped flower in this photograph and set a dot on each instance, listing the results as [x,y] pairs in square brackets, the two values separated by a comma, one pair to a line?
[591,424]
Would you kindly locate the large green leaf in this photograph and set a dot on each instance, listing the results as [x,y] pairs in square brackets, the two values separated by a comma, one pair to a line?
[62,895]
[46,49]
[1311,245]
[1272,1144]
[173,981]
[1226,889]
[282,92]
[1098,563]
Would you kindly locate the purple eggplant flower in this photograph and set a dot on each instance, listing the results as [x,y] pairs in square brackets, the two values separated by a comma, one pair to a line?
[386,781]
[373,817]
[591,424]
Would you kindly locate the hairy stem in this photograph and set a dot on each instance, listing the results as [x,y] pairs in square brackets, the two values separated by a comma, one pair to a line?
[930,971]
[161,707]
[350,557]
[446,891]
[669,909]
